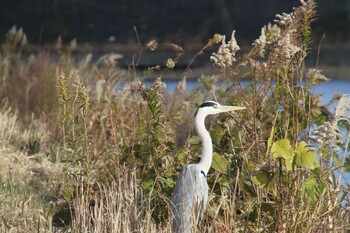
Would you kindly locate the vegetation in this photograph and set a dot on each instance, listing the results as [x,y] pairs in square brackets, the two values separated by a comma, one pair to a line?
[79,154]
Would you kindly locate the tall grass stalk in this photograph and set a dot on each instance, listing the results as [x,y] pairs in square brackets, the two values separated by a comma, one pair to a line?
[105,159]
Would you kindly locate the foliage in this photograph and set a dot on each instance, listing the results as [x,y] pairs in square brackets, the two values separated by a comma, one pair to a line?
[300,156]
[118,151]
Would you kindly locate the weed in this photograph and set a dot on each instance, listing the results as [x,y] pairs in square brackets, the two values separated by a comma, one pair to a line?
[108,159]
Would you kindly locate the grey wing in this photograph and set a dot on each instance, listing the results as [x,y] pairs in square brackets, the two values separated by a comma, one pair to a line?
[189,199]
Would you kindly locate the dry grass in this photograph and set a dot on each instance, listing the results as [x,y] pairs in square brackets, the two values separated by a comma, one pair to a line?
[85,157]
[29,181]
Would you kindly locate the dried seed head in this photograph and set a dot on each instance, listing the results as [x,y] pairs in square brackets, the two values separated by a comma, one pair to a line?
[111,60]
[17,36]
[284,19]
[59,44]
[177,48]
[216,39]
[158,86]
[314,77]
[225,56]
[307,9]
[315,104]
[286,50]
[170,63]
[260,43]
[12,31]
[336,149]
[24,40]
[138,87]
[73,44]
[233,43]
[134,87]
[99,89]
[272,32]
[343,108]
[152,45]
[327,136]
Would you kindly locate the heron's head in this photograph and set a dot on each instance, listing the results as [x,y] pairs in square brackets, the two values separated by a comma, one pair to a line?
[212,107]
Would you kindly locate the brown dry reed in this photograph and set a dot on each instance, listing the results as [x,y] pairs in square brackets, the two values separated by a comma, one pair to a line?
[81,154]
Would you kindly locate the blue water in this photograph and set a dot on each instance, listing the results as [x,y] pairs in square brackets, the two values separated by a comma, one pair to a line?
[327,89]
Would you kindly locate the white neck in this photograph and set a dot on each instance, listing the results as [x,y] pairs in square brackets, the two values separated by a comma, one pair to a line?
[207,145]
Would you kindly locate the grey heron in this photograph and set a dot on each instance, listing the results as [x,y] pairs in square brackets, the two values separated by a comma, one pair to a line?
[190,194]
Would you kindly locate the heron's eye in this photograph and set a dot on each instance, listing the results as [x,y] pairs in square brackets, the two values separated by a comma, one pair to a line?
[215,106]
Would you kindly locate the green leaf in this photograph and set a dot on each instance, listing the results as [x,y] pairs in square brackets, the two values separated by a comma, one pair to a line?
[289,164]
[248,188]
[269,141]
[282,148]
[272,180]
[305,158]
[220,164]
[194,140]
[312,188]
[272,134]
[260,179]
[147,184]
[166,182]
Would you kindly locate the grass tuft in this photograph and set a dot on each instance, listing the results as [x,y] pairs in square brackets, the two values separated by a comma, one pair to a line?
[80,154]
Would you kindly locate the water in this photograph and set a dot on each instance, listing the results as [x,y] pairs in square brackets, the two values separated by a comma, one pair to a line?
[327,89]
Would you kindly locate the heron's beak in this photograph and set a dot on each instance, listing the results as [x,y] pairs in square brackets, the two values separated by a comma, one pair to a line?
[224,108]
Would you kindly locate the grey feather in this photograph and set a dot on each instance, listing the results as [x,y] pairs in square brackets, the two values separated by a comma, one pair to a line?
[190,197]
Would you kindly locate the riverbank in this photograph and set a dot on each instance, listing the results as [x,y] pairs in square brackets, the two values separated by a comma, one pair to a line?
[333,61]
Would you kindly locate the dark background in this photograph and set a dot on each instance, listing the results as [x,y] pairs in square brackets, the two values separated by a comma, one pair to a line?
[176,20]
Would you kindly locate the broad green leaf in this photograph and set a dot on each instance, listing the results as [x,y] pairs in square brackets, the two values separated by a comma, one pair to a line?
[220,164]
[260,179]
[304,157]
[312,188]
[289,164]
[282,148]
[216,133]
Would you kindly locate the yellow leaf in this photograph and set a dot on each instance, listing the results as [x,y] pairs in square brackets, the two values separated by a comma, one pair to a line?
[282,148]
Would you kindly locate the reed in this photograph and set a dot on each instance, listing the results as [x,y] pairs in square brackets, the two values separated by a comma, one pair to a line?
[80,155]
